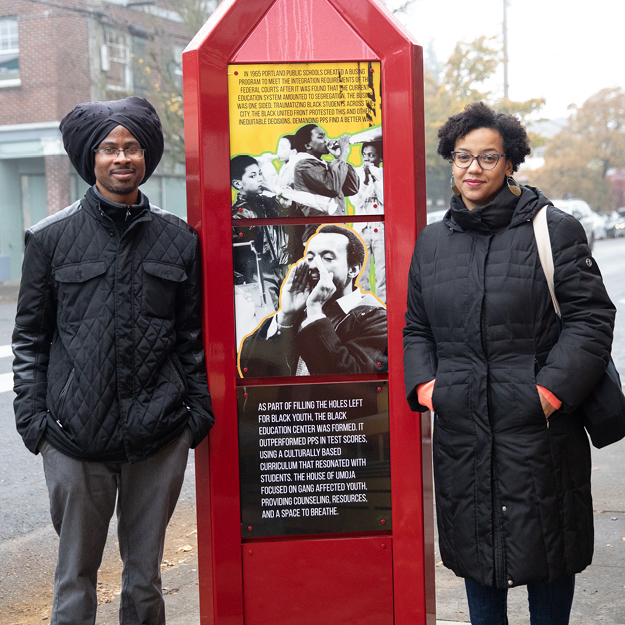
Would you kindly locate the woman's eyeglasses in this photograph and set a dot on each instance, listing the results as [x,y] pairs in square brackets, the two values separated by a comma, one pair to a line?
[485,161]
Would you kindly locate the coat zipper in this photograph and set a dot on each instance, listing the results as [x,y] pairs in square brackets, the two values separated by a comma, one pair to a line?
[63,393]
[184,385]
[536,370]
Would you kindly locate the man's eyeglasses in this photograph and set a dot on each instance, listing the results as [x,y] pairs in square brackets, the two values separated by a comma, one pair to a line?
[485,161]
[115,152]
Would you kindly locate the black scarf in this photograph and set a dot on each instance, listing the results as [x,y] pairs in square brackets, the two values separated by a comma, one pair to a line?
[493,217]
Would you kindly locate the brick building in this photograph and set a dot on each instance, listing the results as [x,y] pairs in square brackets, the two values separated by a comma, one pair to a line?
[55,54]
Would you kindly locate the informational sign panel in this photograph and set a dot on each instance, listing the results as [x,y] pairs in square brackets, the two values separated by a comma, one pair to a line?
[268,101]
[314,459]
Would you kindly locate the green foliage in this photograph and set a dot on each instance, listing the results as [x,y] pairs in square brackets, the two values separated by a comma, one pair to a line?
[194,13]
[578,158]
[468,67]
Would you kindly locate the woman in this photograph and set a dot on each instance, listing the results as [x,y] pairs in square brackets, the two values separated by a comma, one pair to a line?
[511,457]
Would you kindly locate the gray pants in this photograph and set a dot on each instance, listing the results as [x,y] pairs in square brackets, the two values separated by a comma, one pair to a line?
[82,501]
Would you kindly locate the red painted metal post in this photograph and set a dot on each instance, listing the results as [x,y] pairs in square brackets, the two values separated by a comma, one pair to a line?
[296,31]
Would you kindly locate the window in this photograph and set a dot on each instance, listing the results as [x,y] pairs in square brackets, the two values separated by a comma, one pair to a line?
[9,53]
[176,66]
[140,65]
[116,60]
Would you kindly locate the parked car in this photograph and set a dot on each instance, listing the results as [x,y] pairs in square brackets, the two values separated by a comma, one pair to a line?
[582,212]
[599,226]
[436,216]
[615,225]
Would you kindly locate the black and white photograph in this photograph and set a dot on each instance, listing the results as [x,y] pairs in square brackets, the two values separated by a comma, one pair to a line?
[325,321]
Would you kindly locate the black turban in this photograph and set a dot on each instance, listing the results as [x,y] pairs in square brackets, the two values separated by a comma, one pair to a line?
[85,127]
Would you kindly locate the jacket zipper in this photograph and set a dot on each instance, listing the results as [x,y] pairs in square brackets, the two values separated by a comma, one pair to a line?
[536,370]
[62,395]
[179,375]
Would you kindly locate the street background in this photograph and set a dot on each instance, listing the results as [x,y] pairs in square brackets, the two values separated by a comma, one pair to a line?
[28,542]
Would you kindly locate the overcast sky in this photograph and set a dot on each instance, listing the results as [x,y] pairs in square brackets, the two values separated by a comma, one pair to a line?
[560,50]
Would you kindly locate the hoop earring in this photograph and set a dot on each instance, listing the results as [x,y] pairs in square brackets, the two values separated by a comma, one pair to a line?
[454,188]
[513,186]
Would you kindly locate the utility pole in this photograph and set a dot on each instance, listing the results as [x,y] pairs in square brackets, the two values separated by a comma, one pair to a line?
[505,49]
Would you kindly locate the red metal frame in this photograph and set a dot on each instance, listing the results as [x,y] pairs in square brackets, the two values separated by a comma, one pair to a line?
[335,30]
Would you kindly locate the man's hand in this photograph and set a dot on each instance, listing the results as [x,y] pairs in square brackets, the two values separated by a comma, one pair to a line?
[266,158]
[295,292]
[340,149]
[323,290]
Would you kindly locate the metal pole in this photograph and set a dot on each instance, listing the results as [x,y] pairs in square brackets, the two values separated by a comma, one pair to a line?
[505,50]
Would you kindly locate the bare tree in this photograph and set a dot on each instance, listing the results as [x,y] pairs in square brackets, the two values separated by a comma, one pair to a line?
[164,71]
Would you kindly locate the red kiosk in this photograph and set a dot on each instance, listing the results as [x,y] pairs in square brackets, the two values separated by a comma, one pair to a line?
[314,491]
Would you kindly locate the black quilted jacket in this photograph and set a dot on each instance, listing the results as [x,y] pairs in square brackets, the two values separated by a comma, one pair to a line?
[109,364]
[512,490]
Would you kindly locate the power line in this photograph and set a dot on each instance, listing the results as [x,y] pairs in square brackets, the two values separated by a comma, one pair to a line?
[505,50]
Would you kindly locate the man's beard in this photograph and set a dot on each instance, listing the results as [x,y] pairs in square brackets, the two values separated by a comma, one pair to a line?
[118,188]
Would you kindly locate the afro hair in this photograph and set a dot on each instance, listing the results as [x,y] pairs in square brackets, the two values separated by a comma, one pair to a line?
[516,143]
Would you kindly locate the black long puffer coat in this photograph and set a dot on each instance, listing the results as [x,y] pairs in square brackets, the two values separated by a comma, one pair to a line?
[512,488]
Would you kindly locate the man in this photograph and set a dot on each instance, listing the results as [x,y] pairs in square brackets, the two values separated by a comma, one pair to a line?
[370,201]
[109,366]
[329,181]
[325,324]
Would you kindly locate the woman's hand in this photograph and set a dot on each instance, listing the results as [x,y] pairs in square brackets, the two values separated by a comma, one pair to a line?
[424,394]
[548,408]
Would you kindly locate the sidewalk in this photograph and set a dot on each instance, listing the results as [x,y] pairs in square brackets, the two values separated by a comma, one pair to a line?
[600,590]
[9,291]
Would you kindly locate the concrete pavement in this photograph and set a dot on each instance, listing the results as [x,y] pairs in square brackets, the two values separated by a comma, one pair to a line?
[600,590]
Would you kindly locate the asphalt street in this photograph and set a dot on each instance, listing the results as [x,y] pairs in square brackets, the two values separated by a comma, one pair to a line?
[28,543]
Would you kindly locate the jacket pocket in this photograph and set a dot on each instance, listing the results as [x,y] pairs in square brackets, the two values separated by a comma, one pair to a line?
[179,375]
[451,399]
[78,289]
[160,286]
[63,395]
[514,399]
[59,415]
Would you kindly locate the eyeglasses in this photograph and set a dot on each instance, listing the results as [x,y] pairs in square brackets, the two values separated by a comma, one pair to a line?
[115,152]
[485,161]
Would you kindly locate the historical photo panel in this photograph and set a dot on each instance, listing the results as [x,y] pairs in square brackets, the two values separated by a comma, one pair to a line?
[309,312]
[306,139]
[306,143]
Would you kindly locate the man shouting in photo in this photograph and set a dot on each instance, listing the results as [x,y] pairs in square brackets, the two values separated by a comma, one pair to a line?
[325,323]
